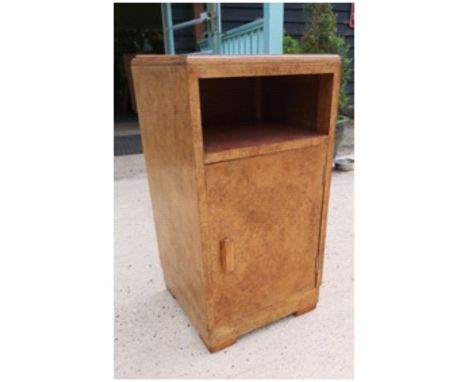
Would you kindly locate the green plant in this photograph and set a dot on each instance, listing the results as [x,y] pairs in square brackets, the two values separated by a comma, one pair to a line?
[291,45]
[321,37]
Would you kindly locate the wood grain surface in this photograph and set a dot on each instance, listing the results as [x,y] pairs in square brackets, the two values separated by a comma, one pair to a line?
[166,131]
[269,206]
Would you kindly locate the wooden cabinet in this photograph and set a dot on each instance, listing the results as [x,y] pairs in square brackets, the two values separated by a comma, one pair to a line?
[239,153]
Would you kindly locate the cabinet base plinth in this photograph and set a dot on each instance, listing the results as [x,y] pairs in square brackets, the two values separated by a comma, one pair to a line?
[213,348]
[305,310]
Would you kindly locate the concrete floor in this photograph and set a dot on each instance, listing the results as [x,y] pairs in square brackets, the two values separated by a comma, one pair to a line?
[154,338]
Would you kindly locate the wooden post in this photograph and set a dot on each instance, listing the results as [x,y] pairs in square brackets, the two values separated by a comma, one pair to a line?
[273,28]
[200,28]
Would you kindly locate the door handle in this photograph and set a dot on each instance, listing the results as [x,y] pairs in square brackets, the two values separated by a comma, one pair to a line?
[227,255]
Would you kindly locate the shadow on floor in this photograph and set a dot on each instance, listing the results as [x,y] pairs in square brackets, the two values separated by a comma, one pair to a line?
[126,145]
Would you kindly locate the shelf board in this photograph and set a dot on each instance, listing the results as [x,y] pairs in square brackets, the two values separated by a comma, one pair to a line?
[240,140]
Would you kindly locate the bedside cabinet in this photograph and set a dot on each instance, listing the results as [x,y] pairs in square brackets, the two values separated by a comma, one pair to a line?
[238,151]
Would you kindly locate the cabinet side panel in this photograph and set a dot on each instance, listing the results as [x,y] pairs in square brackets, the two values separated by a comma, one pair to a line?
[328,98]
[165,125]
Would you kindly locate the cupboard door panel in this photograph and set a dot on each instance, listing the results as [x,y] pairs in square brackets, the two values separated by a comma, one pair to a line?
[264,215]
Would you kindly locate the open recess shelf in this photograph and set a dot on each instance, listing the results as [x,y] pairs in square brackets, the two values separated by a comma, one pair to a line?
[249,116]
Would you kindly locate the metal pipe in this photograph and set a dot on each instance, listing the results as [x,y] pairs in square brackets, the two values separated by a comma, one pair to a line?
[167,24]
[203,17]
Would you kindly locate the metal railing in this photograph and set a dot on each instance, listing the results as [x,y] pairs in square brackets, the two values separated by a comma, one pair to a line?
[211,18]
[246,39]
[262,36]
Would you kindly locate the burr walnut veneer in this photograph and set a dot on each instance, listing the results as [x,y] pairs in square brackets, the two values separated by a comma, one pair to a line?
[239,153]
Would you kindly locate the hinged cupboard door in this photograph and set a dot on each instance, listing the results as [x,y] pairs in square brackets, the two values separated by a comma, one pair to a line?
[264,218]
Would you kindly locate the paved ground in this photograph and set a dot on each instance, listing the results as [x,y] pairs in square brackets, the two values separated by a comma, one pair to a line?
[154,338]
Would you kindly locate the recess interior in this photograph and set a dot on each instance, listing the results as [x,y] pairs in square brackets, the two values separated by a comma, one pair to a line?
[254,111]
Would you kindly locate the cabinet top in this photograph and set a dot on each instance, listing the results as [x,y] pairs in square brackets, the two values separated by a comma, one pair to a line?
[201,59]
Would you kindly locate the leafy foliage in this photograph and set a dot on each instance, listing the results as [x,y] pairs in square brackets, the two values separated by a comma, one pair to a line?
[291,45]
[321,37]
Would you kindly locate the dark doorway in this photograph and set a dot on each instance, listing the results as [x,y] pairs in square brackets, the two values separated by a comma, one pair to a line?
[137,29]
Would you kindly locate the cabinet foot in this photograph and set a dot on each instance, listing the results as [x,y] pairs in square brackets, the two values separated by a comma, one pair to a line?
[307,309]
[220,345]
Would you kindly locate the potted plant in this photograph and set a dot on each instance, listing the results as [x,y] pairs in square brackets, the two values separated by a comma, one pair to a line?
[321,36]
